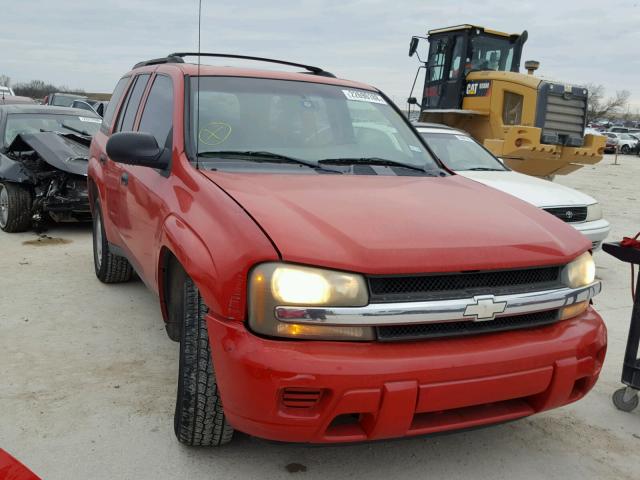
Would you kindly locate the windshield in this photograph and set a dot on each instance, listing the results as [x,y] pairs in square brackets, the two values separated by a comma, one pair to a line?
[461,152]
[18,123]
[302,120]
[491,53]
[64,100]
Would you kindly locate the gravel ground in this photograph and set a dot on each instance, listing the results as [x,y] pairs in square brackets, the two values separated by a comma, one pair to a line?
[87,382]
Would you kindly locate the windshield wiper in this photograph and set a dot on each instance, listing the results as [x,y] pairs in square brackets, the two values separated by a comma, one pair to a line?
[73,129]
[484,169]
[372,161]
[260,156]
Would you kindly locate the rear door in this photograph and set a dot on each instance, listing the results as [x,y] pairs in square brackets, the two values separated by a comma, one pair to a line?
[99,149]
[124,123]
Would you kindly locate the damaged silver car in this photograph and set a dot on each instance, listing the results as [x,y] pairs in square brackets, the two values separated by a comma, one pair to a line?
[44,154]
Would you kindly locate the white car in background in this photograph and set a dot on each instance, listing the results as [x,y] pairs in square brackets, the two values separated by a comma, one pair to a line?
[626,142]
[468,158]
[6,91]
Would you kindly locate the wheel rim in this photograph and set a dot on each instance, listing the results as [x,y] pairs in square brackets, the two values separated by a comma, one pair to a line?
[97,239]
[4,206]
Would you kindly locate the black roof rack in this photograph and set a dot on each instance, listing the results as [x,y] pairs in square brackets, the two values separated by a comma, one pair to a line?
[178,58]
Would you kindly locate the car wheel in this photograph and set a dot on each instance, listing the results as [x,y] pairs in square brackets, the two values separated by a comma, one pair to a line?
[15,207]
[199,418]
[109,268]
[625,149]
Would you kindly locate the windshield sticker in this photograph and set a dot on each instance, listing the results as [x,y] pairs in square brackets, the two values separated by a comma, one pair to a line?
[214,133]
[90,120]
[465,138]
[413,148]
[363,96]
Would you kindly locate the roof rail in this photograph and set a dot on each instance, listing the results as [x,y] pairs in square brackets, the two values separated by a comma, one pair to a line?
[158,61]
[178,58]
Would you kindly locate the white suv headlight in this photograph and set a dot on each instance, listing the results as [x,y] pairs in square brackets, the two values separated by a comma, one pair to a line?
[594,212]
[281,284]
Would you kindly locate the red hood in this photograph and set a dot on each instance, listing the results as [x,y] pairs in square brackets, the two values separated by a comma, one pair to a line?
[390,224]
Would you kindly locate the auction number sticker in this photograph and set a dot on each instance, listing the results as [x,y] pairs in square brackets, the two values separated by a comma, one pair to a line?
[90,120]
[363,96]
[464,138]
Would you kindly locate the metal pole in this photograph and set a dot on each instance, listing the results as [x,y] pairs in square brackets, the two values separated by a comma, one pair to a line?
[615,162]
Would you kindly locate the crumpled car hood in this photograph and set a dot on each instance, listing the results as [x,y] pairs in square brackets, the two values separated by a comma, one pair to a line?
[69,153]
[394,224]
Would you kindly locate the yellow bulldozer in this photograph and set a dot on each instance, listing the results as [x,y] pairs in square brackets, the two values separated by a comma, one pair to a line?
[473,82]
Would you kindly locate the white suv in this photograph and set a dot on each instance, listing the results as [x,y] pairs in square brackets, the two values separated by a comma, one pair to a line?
[465,156]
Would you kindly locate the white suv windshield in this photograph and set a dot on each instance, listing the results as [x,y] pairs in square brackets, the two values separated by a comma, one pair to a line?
[461,152]
[307,121]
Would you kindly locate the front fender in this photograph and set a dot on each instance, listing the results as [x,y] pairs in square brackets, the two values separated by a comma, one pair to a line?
[192,253]
[14,171]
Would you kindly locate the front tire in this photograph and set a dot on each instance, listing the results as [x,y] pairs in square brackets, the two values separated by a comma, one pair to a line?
[199,418]
[109,268]
[625,149]
[15,207]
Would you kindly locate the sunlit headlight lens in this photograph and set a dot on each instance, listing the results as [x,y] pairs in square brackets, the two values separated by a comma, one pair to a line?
[297,285]
[291,285]
[278,284]
[580,272]
[594,212]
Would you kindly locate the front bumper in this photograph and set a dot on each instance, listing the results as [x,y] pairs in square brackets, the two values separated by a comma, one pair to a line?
[371,391]
[595,231]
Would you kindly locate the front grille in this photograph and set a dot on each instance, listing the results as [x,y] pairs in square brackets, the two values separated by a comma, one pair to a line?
[461,285]
[569,214]
[561,114]
[398,333]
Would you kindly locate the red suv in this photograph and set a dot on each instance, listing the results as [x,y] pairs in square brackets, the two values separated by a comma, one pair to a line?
[328,279]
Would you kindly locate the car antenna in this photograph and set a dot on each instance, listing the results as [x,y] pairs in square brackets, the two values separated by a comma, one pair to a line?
[198,88]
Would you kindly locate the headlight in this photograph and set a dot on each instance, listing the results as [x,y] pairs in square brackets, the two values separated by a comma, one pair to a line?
[279,284]
[594,212]
[580,272]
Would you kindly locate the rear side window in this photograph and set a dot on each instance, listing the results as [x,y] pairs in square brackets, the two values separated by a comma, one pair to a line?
[157,117]
[131,104]
[113,103]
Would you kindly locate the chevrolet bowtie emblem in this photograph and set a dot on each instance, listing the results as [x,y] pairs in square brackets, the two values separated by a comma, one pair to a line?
[484,308]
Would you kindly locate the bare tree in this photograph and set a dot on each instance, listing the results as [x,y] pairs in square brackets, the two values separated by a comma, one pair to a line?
[600,107]
[5,81]
[38,89]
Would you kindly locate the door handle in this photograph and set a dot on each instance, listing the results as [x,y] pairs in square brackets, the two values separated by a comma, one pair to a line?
[103,158]
[124,179]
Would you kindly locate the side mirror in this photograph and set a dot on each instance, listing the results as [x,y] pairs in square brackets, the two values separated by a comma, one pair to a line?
[412,101]
[138,148]
[413,46]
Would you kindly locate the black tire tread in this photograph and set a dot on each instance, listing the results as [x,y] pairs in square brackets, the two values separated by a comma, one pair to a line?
[199,417]
[20,201]
[113,268]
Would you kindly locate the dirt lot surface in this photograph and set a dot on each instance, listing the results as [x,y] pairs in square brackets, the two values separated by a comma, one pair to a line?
[88,378]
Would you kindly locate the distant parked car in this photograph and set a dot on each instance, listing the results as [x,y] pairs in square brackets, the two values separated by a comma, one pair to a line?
[6,91]
[15,100]
[592,131]
[62,99]
[466,157]
[611,145]
[95,106]
[626,142]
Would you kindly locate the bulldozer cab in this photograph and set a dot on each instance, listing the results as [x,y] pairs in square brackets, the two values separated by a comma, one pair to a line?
[455,52]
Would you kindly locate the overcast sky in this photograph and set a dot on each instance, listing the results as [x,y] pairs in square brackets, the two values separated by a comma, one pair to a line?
[89,44]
